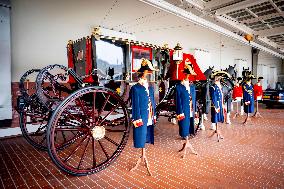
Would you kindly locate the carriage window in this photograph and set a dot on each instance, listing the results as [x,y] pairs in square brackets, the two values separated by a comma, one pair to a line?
[109,56]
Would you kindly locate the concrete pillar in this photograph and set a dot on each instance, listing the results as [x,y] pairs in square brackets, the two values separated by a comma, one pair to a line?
[254,55]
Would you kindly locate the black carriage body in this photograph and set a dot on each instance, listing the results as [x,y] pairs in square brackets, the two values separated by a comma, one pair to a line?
[97,55]
[88,54]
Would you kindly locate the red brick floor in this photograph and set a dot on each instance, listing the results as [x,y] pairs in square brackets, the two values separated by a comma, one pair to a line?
[250,156]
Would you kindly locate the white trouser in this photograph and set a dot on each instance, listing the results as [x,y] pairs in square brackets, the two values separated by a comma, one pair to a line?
[213,126]
[202,126]
[205,117]
[242,110]
[228,120]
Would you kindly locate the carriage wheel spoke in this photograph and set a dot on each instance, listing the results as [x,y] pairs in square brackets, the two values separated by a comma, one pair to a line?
[106,154]
[75,150]
[73,133]
[83,155]
[74,117]
[70,123]
[94,106]
[71,129]
[94,153]
[104,104]
[112,110]
[38,130]
[110,140]
[82,107]
[63,135]
[70,141]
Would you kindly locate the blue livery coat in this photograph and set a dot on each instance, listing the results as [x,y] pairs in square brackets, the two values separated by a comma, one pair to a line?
[248,97]
[217,102]
[139,98]
[182,100]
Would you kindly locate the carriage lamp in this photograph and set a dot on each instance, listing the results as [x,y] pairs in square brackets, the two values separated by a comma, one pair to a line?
[248,37]
[98,132]
[178,54]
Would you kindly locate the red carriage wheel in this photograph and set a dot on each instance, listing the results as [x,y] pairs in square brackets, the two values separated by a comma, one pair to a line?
[33,117]
[33,123]
[52,86]
[88,131]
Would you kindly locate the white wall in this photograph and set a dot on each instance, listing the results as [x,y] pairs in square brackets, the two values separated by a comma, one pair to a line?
[268,67]
[41,29]
[5,64]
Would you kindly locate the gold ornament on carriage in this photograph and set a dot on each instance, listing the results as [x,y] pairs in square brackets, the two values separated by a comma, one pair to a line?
[118,90]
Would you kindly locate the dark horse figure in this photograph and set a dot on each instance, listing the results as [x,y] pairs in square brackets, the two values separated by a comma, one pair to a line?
[162,56]
[208,72]
[232,71]
[203,89]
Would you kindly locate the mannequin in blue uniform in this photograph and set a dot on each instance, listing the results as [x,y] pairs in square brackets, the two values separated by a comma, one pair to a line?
[217,104]
[143,111]
[185,109]
[248,97]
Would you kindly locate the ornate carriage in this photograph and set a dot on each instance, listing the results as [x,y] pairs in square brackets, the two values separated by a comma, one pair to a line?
[80,114]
